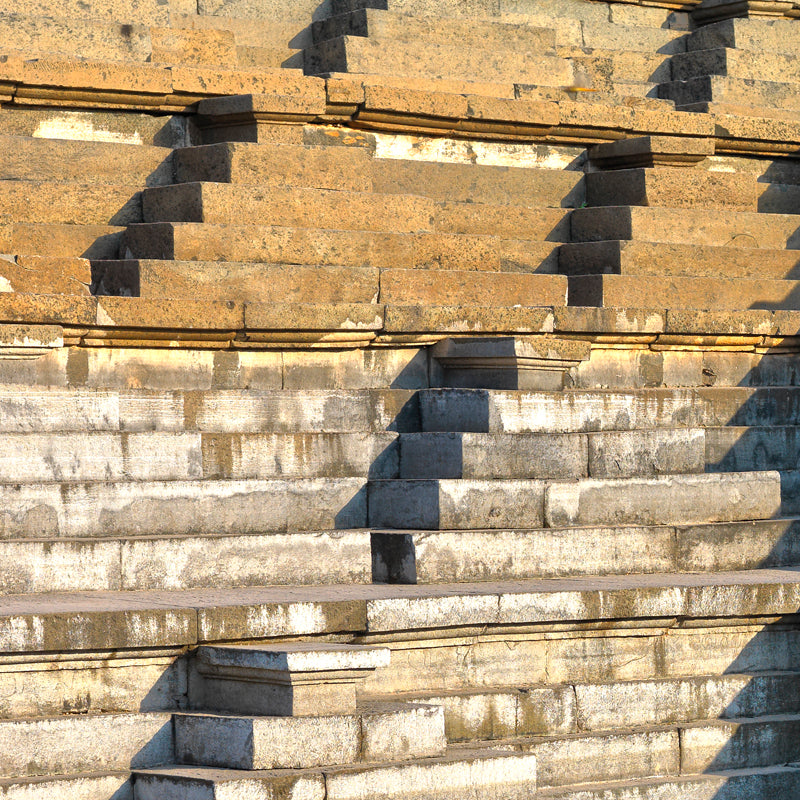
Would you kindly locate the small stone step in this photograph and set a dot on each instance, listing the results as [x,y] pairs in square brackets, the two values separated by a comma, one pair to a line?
[724,89]
[626,291]
[743,448]
[289,680]
[777,198]
[457,775]
[81,743]
[473,504]
[633,38]
[358,55]
[499,411]
[69,204]
[605,67]
[88,786]
[679,260]
[552,456]
[92,509]
[753,65]
[425,557]
[756,784]
[393,732]
[674,188]
[397,27]
[25,158]
[745,406]
[357,248]
[61,241]
[756,35]
[715,227]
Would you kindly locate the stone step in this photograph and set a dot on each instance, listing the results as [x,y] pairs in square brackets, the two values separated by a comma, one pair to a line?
[69,203]
[777,198]
[633,38]
[25,409]
[426,557]
[257,283]
[715,227]
[146,508]
[752,65]
[357,248]
[679,260]
[744,448]
[167,563]
[24,158]
[407,28]
[740,91]
[358,55]
[85,743]
[608,66]
[745,406]
[61,241]
[467,504]
[756,35]
[46,276]
[167,456]
[585,707]
[387,732]
[87,786]
[756,784]
[667,186]
[621,291]
[553,456]
[482,773]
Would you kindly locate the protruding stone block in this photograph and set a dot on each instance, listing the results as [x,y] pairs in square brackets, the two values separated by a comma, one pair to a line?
[296,680]
[651,151]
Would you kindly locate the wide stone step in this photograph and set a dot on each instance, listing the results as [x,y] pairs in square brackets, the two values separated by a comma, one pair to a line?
[756,784]
[626,291]
[406,28]
[740,91]
[756,35]
[675,499]
[633,38]
[745,406]
[667,186]
[73,743]
[156,455]
[715,227]
[387,732]
[425,557]
[358,55]
[752,65]
[61,241]
[93,509]
[86,786]
[25,158]
[605,706]
[483,773]
[153,563]
[357,248]
[679,260]
[606,67]
[69,203]
[552,456]
[25,409]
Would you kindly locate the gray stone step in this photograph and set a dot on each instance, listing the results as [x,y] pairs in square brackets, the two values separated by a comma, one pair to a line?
[81,743]
[93,509]
[155,563]
[399,27]
[756,784]
[552,456]
[605,706]
[756,35]
[725,89]
[464,244]
[680,260]
[675,499]
[392,732]
[715,227]
[483,555]
[753,65]
[87,786]
[606,66]
[633,38]
[154,456]
[26,409]
[358,55]
[463,773]
[744,448]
